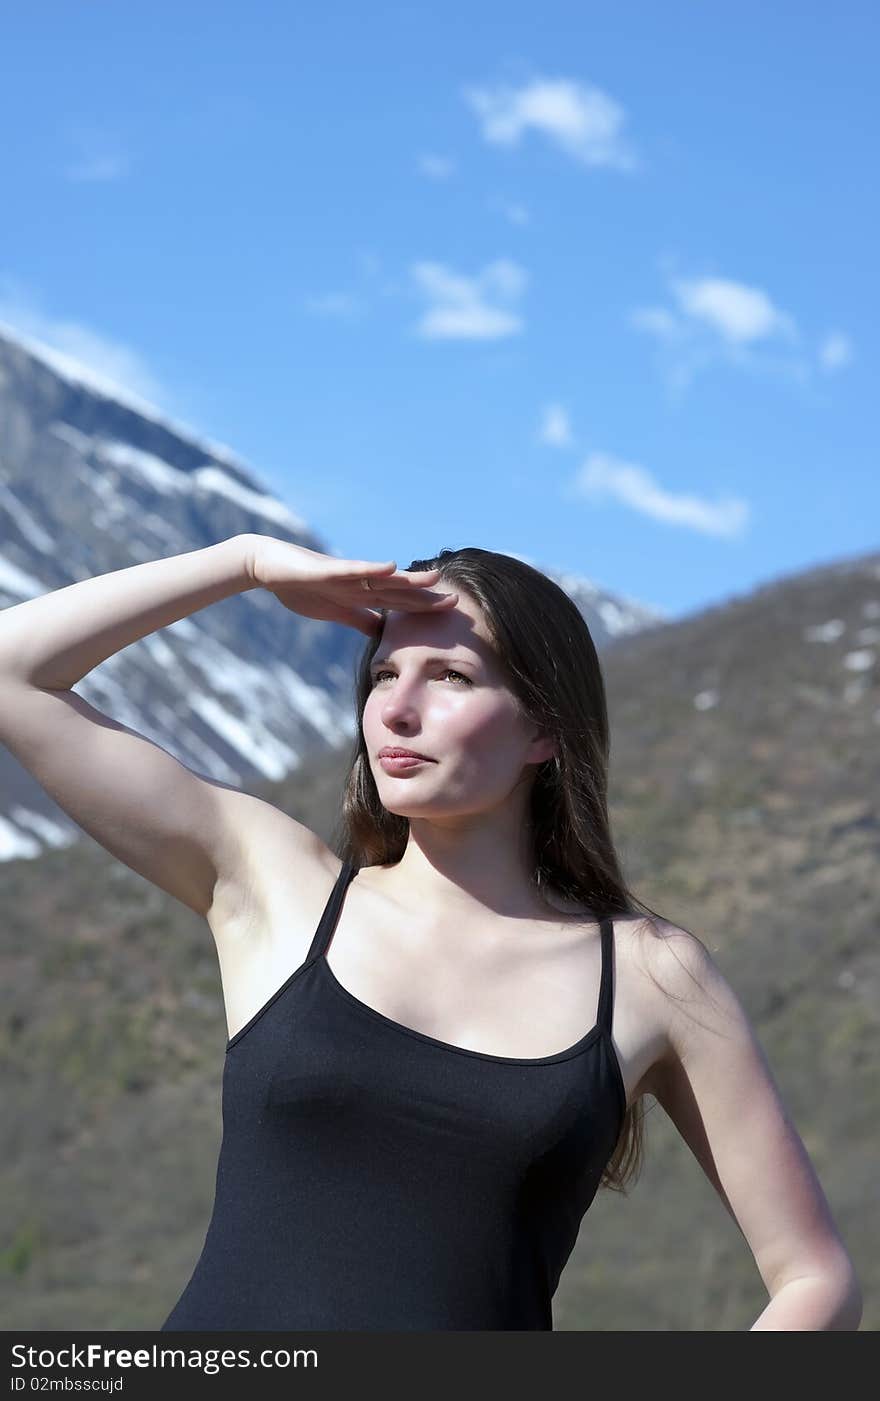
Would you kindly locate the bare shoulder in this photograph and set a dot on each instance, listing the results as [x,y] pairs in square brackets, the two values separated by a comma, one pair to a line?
[690,995]
[268,855]
[676,982]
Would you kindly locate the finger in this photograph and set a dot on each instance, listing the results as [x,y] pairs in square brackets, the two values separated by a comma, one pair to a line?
[362,567]
[388,597]
[420,604]
[352,568]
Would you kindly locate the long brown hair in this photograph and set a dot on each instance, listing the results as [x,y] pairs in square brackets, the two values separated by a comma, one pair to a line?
[544,644]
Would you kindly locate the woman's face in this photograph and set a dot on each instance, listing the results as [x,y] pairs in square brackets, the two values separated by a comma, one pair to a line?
[437,687]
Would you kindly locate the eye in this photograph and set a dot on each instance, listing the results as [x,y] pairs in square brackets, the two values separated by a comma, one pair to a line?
[448,672]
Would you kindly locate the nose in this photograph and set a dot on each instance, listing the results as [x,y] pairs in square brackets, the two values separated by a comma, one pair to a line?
[395,711]
[399,705]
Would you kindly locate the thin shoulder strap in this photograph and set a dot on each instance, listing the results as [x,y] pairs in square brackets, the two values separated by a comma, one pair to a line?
[606,987]
[327,922]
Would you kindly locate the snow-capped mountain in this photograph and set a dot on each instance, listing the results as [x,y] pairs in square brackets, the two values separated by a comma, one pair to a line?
[93,480]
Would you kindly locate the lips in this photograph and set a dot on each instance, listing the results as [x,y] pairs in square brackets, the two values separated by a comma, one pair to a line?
[392,751]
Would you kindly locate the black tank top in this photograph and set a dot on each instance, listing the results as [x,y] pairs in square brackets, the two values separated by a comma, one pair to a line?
[373,1177]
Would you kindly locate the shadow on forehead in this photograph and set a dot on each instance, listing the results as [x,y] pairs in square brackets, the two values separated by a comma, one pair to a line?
[461,626]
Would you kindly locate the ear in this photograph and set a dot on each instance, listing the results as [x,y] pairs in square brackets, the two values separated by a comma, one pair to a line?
[543,748]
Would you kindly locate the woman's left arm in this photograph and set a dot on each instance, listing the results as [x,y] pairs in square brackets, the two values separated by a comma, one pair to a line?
[715,1083]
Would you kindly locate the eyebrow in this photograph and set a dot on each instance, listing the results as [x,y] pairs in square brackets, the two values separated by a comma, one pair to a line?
[450,661]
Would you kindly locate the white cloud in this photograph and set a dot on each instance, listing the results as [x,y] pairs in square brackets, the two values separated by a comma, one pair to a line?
[436,167]
[718,320]
[461,308]
[555,427]
[836,351]
[605,477]
[580,119]
[738,313]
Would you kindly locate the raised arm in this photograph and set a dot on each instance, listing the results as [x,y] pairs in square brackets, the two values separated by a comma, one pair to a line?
[170,824]
[190,835]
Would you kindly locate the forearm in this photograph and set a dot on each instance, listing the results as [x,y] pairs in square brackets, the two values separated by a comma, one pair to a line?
[54,640]
[812,1304]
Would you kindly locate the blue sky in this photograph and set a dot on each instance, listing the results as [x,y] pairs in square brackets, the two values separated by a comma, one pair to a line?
[587,282]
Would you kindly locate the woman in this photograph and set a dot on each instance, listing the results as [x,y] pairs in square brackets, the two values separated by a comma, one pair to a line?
[438,1042]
